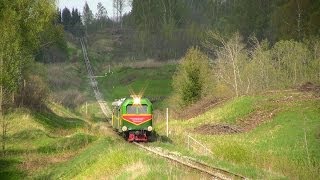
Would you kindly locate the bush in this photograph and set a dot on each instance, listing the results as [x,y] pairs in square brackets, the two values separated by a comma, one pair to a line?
[70,98]
[34,92]
[193,79]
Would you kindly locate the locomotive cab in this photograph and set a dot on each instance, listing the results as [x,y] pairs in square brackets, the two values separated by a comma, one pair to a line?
[133,118]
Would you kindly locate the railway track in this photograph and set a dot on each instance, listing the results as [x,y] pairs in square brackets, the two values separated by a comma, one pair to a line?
[93,82]
[216,173]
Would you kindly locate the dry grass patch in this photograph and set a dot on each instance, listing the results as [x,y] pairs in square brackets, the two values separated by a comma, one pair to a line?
[33,163]
[136,170]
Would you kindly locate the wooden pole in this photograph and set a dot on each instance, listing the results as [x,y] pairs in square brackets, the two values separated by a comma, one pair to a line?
[188,142]
[167,115]
[86,108]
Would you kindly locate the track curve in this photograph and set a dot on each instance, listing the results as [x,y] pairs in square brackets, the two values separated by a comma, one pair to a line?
[216,173]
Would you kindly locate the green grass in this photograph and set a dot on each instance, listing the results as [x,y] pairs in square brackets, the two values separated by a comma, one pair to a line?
[84,160]
[229,112]
[9,170]
[155,82]
[93,113]
[33,136]
[111,158]
[74,142]
[275,149]
[55,122]
[41,151]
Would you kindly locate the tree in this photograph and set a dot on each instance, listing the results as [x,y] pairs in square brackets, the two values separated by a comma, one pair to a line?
[10,59]
[59,17]
[21,23]
[193,78]
[290,59]
[66,18]
[230,57]
[102,15]
[75,17]
[87,15]
[118,6]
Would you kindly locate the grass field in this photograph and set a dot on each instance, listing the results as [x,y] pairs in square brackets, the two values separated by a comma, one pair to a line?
[154,82]
[285,145]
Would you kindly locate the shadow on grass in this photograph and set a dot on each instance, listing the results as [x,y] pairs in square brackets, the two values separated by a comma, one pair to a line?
[74,142]
[9,170]
[53,121]
[154,136]
[97,119]
[29,134]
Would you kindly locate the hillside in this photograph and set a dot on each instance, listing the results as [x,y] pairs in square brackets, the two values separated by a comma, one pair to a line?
[268,136]
[63,145]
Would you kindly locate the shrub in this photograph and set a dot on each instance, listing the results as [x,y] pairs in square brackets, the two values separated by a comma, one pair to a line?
[193,78]
[70,98]
[34,92]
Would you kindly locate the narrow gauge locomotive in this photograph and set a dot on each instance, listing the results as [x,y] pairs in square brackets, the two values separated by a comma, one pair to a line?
[132,117]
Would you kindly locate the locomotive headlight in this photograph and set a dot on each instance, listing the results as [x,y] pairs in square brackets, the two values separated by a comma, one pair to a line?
[124,128]
[136,101]
[149,128]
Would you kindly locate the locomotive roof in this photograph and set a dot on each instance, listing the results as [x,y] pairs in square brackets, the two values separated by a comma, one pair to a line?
[119,102]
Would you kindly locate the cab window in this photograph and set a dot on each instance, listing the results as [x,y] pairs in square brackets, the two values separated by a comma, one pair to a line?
[141,109]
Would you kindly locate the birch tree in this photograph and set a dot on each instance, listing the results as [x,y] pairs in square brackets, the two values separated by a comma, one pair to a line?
[118,7]
[230,59]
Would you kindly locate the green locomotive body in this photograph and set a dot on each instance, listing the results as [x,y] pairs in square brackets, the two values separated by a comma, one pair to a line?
[133,118]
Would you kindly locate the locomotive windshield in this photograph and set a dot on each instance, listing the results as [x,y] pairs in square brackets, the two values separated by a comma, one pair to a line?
[141,109]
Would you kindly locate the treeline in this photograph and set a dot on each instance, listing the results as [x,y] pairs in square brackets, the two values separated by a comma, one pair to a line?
[236,70]
[71,20]
[78,24]
[166,28]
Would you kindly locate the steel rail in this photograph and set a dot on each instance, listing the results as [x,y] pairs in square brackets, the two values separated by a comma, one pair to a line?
[94,84]
[216,173]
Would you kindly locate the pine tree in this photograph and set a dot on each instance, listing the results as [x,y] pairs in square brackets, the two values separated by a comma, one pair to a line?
[59,18]
[66,18]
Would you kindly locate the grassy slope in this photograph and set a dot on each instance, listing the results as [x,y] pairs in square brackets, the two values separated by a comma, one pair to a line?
[33,137]
[275,149]
[155,81]
[49,146]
